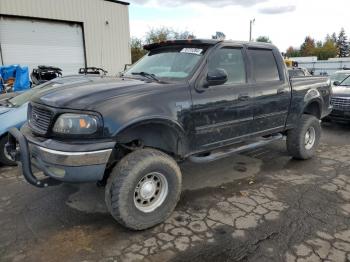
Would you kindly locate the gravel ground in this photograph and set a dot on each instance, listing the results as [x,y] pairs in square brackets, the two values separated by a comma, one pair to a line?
[259,206]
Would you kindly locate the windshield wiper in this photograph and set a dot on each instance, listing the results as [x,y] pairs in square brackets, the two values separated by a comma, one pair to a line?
[147,75]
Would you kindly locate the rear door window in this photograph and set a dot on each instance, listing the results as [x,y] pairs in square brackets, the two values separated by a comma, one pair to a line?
[264,65]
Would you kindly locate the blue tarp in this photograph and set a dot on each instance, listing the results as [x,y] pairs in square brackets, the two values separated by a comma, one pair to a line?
[20,74]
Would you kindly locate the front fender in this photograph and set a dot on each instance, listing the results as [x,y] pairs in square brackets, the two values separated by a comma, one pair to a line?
[152,119]
[157,132]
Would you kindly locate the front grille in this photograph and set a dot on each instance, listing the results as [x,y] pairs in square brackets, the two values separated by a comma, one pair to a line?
[341,103]
[39,119]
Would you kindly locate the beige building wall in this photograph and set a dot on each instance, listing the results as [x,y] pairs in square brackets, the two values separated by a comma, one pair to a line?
[105,25]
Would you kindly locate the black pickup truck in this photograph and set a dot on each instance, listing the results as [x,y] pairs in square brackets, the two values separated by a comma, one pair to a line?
[197,100]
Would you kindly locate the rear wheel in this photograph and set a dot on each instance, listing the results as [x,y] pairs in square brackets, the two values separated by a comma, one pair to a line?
[143,189]
[303,140]
[5,158]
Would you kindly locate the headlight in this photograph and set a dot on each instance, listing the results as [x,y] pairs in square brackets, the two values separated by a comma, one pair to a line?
[76,124]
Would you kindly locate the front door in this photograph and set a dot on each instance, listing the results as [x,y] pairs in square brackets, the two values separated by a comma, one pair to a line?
[223,113]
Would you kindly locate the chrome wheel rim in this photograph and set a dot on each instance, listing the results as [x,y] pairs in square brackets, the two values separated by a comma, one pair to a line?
[150,192]
[310,138]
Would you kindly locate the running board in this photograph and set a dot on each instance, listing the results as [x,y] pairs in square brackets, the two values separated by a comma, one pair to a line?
[215,155]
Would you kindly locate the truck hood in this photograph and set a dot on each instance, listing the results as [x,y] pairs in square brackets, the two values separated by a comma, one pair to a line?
[89,95]
[341,91]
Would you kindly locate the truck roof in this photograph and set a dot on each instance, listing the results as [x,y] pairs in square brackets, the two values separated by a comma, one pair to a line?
[205,42]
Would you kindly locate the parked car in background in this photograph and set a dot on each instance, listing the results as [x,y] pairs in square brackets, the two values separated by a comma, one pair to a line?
[13,108]
[200,100]
[341,101]
[298,71]
[339,77]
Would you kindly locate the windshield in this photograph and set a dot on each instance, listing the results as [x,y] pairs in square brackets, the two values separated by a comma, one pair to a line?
[346,82]
[339,76]
[174,63]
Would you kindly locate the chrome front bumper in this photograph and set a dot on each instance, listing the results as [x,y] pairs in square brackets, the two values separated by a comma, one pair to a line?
[76,159]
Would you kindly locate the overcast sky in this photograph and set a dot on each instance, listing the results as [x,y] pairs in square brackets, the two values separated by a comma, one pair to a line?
[286,22]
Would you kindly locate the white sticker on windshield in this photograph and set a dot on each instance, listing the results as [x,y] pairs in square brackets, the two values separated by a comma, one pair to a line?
[196,51]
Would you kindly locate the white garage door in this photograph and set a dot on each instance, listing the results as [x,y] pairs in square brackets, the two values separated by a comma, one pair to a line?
[34,42]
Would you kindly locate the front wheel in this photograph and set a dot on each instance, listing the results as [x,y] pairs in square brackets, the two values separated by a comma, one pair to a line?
[5,158]
[143,189]
[303,140]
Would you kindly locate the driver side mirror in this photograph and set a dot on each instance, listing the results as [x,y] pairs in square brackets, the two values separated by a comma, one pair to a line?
[336,83]
[217,77]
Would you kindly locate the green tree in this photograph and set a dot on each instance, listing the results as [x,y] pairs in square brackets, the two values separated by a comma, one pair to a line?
[184,35]
[219,36]
[292,52]
[308,47]
[327,50]
[334,37]
[137,50]
[156,35]
[264,39]
[343,44]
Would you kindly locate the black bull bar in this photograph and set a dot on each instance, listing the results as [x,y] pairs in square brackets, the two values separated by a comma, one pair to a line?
[22,155]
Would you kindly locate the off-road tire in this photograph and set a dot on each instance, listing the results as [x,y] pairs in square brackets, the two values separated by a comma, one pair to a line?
[3,159]
[120,188]
[296,138]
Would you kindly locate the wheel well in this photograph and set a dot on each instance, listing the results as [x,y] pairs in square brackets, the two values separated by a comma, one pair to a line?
[156,135]
[313,109]
[3,135]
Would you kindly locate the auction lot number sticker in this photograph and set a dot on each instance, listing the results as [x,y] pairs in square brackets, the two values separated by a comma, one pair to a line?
[195,51]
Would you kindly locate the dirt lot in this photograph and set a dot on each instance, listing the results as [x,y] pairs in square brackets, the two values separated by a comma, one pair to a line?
[260,206]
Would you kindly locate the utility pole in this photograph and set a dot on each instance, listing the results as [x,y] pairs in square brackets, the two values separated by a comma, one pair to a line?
[251,29]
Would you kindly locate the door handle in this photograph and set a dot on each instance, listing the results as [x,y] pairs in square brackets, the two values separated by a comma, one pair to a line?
[243,97]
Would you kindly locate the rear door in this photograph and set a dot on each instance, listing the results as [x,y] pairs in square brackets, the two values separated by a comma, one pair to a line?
[272,90]
[223,113]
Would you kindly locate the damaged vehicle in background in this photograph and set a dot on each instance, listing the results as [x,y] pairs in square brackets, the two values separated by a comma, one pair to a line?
[200,100]
[339,77]
[44,74]
[341,101]
[13,109]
